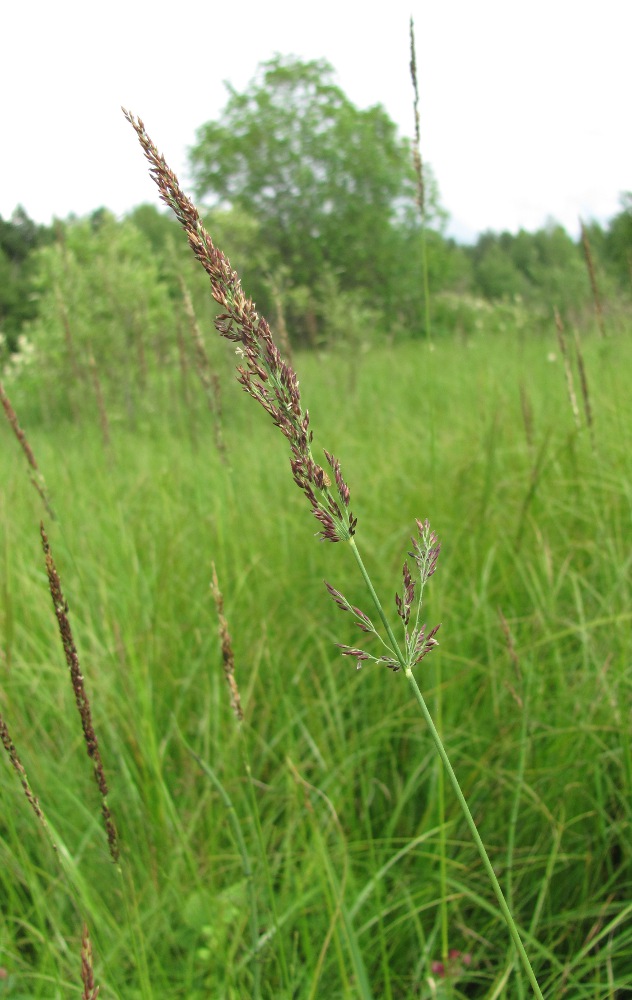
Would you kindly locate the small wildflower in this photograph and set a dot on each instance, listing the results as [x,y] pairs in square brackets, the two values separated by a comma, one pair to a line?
[457,962]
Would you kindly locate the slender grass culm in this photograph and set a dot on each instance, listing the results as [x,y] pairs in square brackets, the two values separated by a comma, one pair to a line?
[272,382]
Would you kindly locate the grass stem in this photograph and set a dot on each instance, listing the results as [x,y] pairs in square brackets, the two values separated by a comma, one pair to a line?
[246,866]
[502,903]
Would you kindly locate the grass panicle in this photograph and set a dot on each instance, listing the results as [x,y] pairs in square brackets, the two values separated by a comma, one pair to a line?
[18,767]
[592,275]
[583,381]
[262,373]
[417,161]
[90,991]
[570,386]
[60,606]
[228,656]
[419,177]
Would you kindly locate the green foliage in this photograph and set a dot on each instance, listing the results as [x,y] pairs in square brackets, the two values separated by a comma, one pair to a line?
[618,243]
[546,267]
[102,312]
[341,818]
[19,238]
[329,184]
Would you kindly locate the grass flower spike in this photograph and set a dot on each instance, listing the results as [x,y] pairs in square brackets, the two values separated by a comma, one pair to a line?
[262,372]
[81,697]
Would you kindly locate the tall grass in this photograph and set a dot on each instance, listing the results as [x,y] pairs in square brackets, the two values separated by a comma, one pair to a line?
[345,793]
[332,877]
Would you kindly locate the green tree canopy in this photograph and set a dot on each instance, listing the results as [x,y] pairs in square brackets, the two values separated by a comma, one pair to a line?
[329,184]
[618,242]
[101,305]
[19,237]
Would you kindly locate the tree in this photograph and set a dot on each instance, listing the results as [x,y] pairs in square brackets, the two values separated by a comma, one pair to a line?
[19,237]
[328,183]
[495,274]
[618,243]
[101,306]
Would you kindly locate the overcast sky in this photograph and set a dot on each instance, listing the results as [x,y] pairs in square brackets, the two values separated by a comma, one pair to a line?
[525,106]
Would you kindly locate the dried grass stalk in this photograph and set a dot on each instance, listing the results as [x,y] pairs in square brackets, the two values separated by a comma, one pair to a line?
[417,161]
[18,767]
[90,991]
[419,175]
[592,274]
[228,657]
[583,381]
[83,703]
[570,385]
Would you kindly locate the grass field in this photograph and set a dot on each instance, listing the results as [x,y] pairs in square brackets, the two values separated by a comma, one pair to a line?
[333,779]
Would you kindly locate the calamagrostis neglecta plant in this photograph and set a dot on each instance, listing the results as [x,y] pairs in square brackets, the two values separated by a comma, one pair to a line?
[592,274]
[90,991]
[18,767]
[271,381]
[419,176]
[228,657]
[570,384]
[262,372]
[83,703]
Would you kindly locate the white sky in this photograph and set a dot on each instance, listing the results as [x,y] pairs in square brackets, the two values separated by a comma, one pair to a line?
[525,106]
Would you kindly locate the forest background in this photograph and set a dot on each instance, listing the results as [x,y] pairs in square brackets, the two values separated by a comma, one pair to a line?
[316,202]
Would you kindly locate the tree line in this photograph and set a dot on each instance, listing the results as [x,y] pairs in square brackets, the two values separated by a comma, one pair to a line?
[315,202]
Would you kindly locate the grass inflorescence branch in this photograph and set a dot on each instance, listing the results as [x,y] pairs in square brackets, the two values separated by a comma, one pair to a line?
[417,642]
[262,372]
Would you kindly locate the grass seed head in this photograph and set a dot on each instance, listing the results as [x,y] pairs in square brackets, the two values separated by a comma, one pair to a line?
[90,991]
[263,374]
[18,767]
[81,697]
[228,657]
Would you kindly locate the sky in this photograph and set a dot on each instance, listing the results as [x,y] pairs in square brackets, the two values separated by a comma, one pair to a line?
[525,106]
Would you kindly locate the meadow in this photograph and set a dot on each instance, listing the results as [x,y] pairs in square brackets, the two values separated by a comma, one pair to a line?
[327,806]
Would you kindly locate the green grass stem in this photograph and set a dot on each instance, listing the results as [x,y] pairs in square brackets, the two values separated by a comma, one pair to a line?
[513,930]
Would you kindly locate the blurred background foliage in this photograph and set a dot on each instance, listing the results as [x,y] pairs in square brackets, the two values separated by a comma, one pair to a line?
[313,200]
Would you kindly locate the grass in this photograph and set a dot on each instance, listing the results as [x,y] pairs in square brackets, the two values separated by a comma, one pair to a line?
[343,831]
